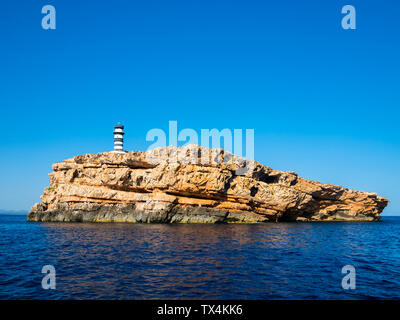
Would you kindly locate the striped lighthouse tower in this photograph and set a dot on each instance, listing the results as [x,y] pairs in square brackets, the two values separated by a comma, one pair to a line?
[119,138]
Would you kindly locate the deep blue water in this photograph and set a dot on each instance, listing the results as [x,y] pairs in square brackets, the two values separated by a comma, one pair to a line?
[138,261]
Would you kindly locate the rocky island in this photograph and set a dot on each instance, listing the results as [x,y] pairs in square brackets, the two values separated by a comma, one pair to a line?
[159,186]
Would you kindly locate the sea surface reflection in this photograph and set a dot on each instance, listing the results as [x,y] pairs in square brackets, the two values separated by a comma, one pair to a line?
[138,261]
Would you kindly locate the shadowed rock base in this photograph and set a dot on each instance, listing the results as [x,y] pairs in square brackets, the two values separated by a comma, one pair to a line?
[158,187]
[89,212]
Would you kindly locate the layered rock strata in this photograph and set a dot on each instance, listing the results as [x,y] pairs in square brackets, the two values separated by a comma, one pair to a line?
[192,185]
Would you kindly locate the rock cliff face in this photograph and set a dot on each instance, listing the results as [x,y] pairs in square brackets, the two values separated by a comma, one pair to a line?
[162,186]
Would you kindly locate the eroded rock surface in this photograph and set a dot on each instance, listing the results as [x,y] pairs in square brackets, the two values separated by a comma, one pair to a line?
[163,186]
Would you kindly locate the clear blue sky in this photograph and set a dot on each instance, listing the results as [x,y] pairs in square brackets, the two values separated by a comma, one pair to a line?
[323,101]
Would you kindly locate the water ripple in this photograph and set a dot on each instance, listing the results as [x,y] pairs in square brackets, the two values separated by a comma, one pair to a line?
[266,261]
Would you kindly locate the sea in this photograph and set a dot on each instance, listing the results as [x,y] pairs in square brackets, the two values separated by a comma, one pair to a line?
[319,260]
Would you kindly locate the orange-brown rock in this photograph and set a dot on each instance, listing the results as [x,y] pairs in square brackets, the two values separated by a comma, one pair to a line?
[162,185]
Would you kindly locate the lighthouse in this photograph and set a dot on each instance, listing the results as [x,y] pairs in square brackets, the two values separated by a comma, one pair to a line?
[119,138]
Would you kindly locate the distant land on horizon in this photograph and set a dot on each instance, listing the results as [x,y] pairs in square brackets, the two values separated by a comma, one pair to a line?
[16,212]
